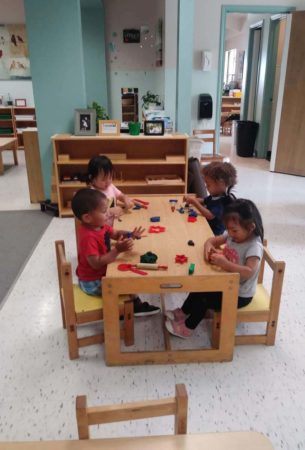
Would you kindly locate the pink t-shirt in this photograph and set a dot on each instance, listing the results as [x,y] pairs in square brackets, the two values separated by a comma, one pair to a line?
[112,194]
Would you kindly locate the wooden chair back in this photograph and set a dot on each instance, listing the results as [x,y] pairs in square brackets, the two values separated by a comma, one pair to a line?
[71,317]
[176,406]
[267,314]
[208,136]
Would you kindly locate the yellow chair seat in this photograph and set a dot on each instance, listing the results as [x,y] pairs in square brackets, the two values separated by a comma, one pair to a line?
[260,301]
[85,303]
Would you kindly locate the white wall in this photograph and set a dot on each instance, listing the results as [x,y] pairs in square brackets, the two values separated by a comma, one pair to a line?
[12,11]
[206,37]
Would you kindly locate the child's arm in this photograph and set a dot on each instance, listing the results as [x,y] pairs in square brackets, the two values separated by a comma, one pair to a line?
[98,261]
[245,271]
[212,244]
[128,204]
[196,203]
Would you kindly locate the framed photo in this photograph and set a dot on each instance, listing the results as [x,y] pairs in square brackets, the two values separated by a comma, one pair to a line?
[131,36]
[85,122]
[20,102]
[154,127]
[109,127]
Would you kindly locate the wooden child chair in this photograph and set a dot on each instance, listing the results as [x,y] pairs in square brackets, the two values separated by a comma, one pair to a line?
[264,306]
[78,308]
[133,411]
[208,136]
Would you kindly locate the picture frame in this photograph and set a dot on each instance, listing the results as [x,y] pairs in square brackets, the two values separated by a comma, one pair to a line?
[131,36]
[20,101]
[85,122]
[109,127]
[154,127]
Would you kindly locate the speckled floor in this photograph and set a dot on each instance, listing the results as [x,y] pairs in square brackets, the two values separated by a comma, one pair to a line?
[262,389]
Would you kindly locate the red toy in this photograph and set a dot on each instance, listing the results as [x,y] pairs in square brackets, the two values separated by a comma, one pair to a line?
[192,219]
[156,229]
[181,259]
[141,203]
[132,268]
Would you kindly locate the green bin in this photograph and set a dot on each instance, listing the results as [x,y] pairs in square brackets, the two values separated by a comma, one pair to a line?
[134,128]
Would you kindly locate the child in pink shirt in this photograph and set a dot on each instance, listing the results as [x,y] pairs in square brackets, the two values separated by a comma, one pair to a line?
[100,174]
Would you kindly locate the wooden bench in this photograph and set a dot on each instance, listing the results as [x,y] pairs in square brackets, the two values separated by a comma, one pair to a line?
[8,144]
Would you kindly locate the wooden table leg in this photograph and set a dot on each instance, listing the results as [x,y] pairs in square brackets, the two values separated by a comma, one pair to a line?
[15,148]
[1,164]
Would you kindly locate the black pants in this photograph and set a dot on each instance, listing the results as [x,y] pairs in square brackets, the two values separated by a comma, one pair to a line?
[197,304]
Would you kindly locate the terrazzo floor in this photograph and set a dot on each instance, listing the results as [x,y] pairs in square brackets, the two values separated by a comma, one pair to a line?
[262,389]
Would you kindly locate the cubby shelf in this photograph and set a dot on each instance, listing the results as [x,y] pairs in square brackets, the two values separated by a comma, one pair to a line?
[145,155]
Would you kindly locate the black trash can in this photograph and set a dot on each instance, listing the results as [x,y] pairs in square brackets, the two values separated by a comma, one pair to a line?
[246,132]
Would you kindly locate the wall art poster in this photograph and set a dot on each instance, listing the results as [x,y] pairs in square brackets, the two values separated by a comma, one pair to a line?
[14,54]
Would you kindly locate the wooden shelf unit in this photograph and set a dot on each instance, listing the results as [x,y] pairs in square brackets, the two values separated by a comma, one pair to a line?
[145,155]
[229,105]
[130,107]
[7,122]
[24,118]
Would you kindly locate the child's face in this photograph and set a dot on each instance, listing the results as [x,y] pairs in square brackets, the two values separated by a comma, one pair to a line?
[102,181]
[215,187]
[97,217]
[237,232]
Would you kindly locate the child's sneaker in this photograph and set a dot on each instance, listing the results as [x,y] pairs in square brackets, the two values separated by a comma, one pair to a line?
[178,329]
[141,309]
[175,315]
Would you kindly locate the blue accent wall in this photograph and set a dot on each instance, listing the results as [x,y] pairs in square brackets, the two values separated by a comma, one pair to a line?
[93,17]
[56,55]
[184,65]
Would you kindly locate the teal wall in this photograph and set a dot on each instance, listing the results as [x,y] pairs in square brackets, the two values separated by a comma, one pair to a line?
[184,65]
[93,16]
[56,55]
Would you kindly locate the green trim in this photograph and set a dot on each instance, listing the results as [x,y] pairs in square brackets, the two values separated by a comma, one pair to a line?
[226,9]
[263,143]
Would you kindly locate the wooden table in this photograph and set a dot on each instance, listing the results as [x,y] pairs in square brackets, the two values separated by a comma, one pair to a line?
[210,441]
[8,144]
[176,279]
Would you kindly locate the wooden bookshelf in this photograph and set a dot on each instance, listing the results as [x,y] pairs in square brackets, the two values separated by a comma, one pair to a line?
[7,122]
[145,155]
[25,118]
[130,107]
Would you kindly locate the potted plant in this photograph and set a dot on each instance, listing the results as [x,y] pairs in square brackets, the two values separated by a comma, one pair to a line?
[101,113]
[150,101]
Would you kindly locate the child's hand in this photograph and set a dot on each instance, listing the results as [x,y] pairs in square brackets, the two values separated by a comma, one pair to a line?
[209,249]
[188,199]
[137,232]
[128,203]
[219,259]
[123,244]
[116,212]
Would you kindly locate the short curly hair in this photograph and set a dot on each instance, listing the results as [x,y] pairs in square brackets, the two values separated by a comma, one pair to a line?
[224,171]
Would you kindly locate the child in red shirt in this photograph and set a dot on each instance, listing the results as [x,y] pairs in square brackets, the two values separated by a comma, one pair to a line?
[94,249]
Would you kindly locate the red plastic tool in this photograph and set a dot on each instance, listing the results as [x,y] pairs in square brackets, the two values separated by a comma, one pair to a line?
[181,259]
[132,268]
[156,229]
[141,203]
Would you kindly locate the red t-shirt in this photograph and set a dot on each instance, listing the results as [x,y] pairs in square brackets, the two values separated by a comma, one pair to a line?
[92,242]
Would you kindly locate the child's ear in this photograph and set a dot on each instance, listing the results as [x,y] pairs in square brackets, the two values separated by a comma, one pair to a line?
[252,227]
[86,218]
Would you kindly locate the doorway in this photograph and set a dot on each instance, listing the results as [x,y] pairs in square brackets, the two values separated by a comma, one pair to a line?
[260,98]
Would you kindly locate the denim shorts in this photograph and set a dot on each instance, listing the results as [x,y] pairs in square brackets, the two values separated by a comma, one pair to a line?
[91,287]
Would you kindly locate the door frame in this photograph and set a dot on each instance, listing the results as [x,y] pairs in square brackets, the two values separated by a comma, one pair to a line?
[249,64]
[227,9]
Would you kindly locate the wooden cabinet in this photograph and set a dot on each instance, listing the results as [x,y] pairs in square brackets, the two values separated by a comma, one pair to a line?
[130,107]
[229,106]
[14,120]
[142,164]
[7,122]
[24,118]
